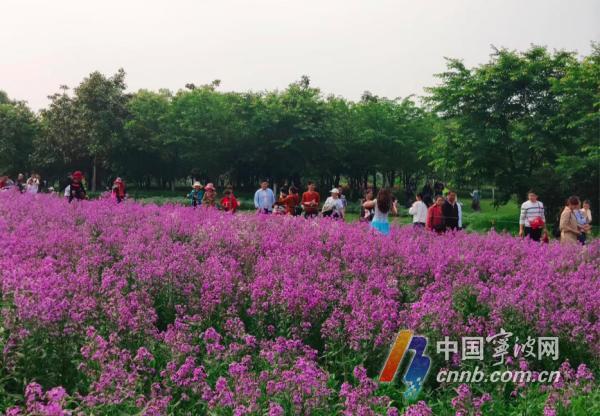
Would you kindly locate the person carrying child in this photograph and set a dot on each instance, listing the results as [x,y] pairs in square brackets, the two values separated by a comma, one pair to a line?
[118,190]
[76,188]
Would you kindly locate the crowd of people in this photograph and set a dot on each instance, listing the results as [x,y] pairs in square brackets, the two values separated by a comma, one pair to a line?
[436,208]
[32,185]
[290,202]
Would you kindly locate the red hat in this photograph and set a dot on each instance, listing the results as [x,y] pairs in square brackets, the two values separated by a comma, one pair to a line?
[77,174]
[536,223]
[209,186]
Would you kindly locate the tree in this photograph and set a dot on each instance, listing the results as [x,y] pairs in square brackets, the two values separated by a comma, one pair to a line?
[144,152]
[500,122]
[18,130]
[102,104]
[579,90]
[59,148]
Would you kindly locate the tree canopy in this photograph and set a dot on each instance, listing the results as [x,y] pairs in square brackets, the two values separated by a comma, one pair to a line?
[522,120]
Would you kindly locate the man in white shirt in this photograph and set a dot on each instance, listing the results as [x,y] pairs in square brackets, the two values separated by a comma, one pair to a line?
[264,199]
[532,221]
[419,211]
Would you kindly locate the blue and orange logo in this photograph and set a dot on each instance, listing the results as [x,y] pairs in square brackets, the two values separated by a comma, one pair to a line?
[417,370]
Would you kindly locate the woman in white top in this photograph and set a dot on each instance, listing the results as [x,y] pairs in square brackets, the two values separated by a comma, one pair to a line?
[383,205]
[33,185]
[333,206]
[419,212]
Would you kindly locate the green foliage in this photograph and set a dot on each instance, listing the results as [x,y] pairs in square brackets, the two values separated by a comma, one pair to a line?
[523,120]
[18,128]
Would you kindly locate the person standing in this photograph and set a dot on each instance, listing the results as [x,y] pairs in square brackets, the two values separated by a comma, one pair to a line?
[76,188]
[435,216]
[583,222]
[33,184]
[264,199]
[419,212]
[210,195]
[532,222]
[476,200]
[118,190]
[450,211]
[21,182]
[310,201]
[290,200]
[570,230]
[586,210]
[333,206]
[382,206]
[196,194]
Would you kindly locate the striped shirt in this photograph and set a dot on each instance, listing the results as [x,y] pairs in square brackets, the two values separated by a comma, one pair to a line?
[531,210]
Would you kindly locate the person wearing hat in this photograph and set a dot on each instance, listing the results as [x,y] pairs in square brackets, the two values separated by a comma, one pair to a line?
[196,194]
[118,190]
[532,222]
[264,199]
[210,195]
[76,188]
[333,206]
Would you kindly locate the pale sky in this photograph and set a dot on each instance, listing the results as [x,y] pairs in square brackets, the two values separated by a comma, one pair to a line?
[388,47]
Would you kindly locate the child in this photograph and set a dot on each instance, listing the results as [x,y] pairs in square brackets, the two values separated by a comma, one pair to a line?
[210,195]
[367,214]
[229,203]
[118,190]
[76,188]
[582,222]
[196,194]
[280,207]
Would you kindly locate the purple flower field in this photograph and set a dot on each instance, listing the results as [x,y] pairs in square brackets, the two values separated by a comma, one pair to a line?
[145,309]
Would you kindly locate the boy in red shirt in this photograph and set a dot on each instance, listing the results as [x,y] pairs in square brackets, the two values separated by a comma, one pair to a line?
[310,201]
[229,203]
